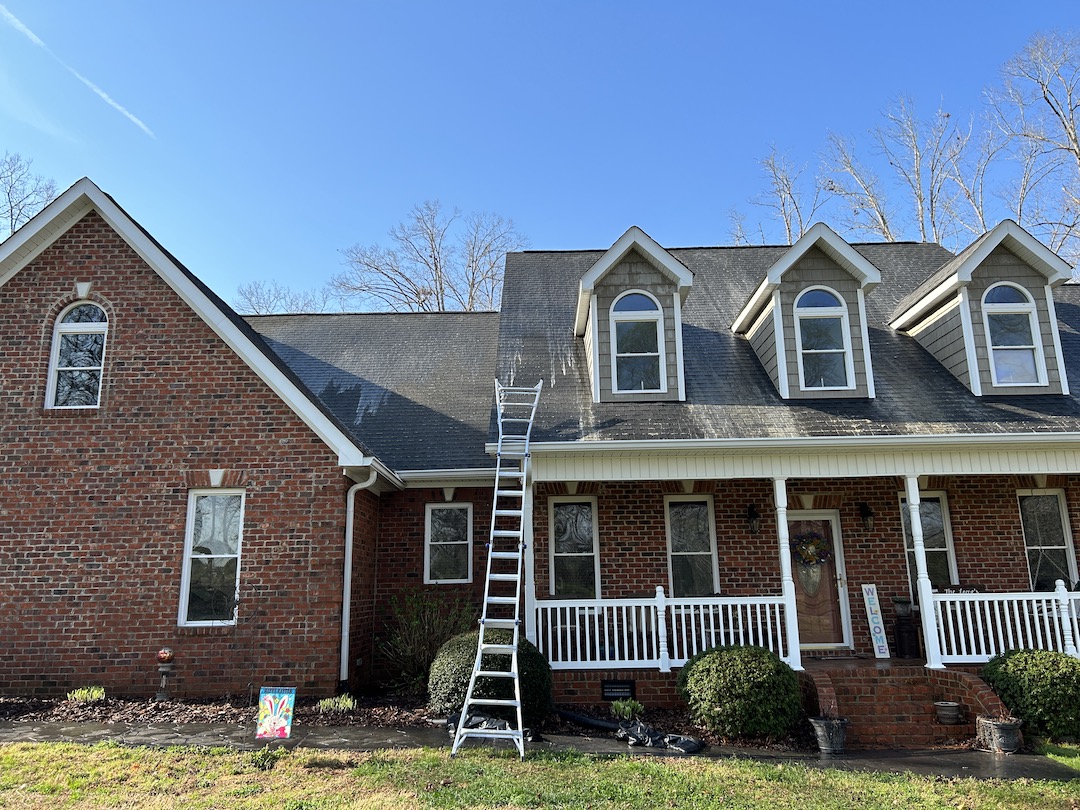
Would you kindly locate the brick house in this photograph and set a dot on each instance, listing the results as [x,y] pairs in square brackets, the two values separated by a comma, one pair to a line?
[731,442]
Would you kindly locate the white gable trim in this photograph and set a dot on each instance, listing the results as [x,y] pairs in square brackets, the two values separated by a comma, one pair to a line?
[25,245]
[974,381]
[864,331]
[1051,312]
[832,245]
[633,239]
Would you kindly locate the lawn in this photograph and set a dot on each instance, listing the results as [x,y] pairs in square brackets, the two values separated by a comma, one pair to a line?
[108,775]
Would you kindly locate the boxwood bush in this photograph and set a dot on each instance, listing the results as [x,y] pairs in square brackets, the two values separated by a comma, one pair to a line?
[741,692]
[449,678]
[1040,687]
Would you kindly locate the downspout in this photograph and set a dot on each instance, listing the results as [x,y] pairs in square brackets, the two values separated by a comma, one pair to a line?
[346,584]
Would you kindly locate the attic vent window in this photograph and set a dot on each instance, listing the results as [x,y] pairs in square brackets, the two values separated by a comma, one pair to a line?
[1011,329]
[823,340]
[637,334]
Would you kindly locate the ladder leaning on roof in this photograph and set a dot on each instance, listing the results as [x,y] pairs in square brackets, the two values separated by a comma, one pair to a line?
[501,611]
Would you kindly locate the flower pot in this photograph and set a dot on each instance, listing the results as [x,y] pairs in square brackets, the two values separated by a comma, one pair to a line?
[831,733]
[947,711]
[998,734]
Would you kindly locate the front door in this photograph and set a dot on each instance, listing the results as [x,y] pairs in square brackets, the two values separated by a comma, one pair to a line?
[817,566]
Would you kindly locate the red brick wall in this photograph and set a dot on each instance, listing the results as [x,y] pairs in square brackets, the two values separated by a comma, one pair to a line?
[93,502]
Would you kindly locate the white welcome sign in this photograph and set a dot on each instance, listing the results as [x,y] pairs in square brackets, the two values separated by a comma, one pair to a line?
[877,623]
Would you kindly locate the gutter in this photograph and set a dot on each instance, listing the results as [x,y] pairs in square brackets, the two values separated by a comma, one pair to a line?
[346,584]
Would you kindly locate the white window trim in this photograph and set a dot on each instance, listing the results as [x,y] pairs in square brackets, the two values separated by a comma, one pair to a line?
[1028,309]
[1066,530]
[657,317]
[427,543]
[845,326]
[700,498]
[185,577]
[950,548]
[592,501]
[60,328]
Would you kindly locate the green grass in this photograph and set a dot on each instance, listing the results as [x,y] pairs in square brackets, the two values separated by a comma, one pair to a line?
[1065,753]
[49,775]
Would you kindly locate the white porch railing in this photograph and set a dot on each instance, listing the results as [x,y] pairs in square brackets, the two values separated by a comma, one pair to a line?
[974,627]
[658,633]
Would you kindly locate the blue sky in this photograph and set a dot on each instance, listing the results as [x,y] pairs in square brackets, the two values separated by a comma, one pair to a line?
[257,139]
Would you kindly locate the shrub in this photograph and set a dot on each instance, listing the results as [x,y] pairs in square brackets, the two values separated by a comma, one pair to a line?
[450,672]
[1041,687]
[420,623]
[339,704]
[741,692]
[87,694]
[627,709]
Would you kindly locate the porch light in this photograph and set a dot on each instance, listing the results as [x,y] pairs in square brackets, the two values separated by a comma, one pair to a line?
[753,519]
[867,515]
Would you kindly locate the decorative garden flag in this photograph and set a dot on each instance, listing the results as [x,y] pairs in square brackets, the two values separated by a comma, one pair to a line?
[877,623]
[275,713]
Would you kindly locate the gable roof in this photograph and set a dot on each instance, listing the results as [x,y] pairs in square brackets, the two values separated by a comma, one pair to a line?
[22,247]
[633,239]
[416,386]
[825,239]
[956,272]
[729,395]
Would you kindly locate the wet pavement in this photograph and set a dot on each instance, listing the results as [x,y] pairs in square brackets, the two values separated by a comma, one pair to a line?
[943,763]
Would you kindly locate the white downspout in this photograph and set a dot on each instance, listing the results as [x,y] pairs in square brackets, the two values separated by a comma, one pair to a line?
[346,584]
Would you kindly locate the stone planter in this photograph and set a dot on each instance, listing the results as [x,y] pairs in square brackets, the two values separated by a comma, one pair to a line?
[998,734]
[831,733]
[948,712]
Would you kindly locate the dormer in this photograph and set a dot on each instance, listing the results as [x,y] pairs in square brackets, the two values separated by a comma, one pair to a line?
[988,315]
[629,313]
[806,321]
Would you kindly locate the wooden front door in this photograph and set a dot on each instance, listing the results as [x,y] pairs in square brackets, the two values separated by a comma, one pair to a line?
[817,566]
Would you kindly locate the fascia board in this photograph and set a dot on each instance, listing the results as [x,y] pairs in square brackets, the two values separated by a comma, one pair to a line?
[1025,246]
[834,246]
[349,455]
[449,477]
[363,471]
[914,314]
[18,249]
[748,314]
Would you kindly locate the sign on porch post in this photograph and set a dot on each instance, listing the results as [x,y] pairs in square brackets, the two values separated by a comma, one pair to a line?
[877,624]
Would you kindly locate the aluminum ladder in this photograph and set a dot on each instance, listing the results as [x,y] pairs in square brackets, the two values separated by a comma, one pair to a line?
[501,611]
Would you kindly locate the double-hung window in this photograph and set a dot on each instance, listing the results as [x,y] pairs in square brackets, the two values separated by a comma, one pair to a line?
[691,531]
[78,357]
[210,582]
[823,340]
[637,344]
[574,548]
[1012,335]
[937,541]
[448,546]
[1047,539]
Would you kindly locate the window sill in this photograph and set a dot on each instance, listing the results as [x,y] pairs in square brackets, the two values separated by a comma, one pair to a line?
[207,630]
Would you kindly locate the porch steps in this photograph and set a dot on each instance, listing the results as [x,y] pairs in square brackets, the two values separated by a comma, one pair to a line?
[497,659]
[891,706]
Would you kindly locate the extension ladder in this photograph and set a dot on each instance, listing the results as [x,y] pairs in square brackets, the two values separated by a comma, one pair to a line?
[501,611]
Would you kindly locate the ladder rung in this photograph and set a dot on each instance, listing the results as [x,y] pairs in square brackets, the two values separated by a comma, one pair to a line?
[491,673]
[499,624]
[506,533]
[502,600]
[498,649]
[509,512]
[494,702]
[506,555]
[510,493]
[503,577]
[496,733]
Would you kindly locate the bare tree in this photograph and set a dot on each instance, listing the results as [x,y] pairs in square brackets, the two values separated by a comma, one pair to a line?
[438,261]
[22,193]
[788,198]
[859,188]
[268,298]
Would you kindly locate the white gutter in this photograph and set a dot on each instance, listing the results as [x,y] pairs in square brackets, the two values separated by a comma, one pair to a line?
[346,584]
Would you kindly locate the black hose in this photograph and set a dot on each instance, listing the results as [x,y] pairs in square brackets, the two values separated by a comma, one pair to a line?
[585,720]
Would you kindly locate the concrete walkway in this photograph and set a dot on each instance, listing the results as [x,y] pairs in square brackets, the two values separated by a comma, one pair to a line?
[947,763]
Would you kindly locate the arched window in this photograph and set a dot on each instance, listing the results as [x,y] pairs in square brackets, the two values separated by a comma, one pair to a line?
[78,357]
[637,344]
[823,340]
[1012,336]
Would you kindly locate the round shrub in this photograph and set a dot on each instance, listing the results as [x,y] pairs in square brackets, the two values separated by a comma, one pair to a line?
[741,692]
[1041,687]
[449,678]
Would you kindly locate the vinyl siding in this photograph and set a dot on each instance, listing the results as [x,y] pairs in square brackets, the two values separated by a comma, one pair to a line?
[945,340]
[763,341]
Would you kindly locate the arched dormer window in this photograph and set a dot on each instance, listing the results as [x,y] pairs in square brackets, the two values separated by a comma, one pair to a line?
[823,340]
[1012,336]
[78,357]
[637,344]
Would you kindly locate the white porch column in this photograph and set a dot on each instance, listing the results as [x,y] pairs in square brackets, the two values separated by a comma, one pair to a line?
[925,592]
[1067,639]
[530,564]
[791,616]
[661,630]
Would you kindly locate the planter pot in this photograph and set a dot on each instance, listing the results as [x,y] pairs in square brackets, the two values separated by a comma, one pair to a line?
[998,735]
[831,733]
[947,711]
